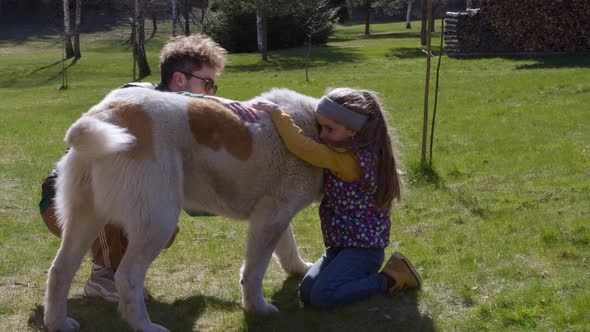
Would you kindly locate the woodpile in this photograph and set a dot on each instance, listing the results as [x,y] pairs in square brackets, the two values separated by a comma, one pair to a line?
[524,26]
[467,32]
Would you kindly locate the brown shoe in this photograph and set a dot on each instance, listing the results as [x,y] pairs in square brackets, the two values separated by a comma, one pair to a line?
[401,270]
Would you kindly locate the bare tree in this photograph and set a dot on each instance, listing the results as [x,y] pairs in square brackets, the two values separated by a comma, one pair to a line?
[174,18]
[77,54]
[367,5]
[138,35]
[185,14]
[262,34]
[67,30]
[409,15]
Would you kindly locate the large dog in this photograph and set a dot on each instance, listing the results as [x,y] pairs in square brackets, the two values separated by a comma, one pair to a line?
[140,156]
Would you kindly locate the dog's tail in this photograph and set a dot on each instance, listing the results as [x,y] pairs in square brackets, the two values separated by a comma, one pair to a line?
[93,138]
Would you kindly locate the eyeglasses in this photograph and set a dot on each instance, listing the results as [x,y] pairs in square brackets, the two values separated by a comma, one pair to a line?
[209,83]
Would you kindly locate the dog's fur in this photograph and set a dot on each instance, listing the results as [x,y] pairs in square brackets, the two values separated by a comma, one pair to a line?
[140,156]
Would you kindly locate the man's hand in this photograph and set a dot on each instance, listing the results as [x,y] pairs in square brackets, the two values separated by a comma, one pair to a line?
[267,106]
[244,112]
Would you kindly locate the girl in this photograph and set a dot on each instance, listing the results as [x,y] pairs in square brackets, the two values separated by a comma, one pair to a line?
[361,181]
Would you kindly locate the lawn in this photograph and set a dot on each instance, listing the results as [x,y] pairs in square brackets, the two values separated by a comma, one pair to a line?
[500,233]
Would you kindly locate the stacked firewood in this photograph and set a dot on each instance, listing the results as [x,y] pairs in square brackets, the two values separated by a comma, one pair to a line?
[507,26]
[467,32]
[540,25]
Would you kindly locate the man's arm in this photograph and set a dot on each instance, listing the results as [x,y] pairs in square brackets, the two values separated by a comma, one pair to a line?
[245,113]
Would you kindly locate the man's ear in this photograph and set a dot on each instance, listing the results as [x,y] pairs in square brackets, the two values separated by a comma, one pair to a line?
[178,79]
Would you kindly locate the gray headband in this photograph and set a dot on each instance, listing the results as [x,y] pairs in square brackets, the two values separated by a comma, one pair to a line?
[340,114]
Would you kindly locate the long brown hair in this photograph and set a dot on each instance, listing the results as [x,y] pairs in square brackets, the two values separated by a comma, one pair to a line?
[374,137]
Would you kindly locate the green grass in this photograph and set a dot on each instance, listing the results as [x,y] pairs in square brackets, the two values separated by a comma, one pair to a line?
[499,227]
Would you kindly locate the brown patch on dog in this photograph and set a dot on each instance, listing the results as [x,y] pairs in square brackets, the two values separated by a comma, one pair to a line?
[137,122]
[217,127]
[99,114]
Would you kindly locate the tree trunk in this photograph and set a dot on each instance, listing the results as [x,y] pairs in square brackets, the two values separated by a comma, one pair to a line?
[424,22]
[140,55]
[432,11]
[262,35]
[174,19]
[77,53]
[187,28]
[307,61]
[259,30]
[469,4]
[67,30]
[368,18]
[154,26]
[409,15]
[427,83]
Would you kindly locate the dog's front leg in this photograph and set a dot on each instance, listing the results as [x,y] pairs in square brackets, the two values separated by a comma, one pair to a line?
[288,256]
[268,221]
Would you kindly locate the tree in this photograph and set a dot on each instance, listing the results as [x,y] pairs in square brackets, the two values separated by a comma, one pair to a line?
[265,9]
[174,19]
[138,37]
[186,8]
[67,30]
[387,7]
[262,35]
[409,15]
[77,54]
[319,16]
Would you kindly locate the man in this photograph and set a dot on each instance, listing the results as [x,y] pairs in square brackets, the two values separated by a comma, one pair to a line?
[189,65]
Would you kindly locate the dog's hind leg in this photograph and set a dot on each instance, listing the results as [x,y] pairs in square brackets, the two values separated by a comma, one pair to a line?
[145,243]
[288,256]
[77,238]
[267,223]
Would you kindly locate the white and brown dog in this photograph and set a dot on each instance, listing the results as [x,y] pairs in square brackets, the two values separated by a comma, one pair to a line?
[140,156]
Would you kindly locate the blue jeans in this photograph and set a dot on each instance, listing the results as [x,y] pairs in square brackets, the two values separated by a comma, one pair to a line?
[343,275]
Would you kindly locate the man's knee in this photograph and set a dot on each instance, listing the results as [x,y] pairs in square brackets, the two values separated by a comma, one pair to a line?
[48,216]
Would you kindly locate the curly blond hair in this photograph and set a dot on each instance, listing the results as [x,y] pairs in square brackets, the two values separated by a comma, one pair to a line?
[188,53]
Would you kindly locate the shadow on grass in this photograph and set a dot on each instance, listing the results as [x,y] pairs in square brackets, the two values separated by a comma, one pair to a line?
[548,61]
[557,61]
[296,58]
[36,78]
[356,36]
[380,313]
[98,315]
[22,28]
[407,53]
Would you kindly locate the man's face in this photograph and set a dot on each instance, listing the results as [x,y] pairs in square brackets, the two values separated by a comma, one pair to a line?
[190,83]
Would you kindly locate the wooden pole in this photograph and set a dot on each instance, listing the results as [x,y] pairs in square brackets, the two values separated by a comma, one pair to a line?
[427,82]
[440,50]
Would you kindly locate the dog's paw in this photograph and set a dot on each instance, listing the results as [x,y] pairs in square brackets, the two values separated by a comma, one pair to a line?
[269,309]
[68,325]
[301,269]
[261,308]
[156,328]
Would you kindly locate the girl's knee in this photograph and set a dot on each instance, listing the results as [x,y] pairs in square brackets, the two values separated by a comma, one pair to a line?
[321,298]
[305,288]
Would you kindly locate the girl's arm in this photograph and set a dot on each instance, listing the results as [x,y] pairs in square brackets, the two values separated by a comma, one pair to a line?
[343,164]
